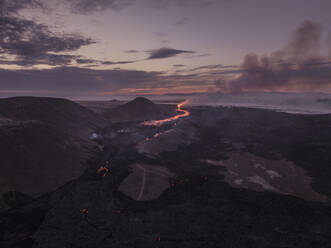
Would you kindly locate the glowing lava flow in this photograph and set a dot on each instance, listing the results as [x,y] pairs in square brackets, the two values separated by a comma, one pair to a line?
[160,122]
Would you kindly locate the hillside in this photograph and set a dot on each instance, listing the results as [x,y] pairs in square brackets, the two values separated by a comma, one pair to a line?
[101,106]
[222,177]
[139,109]
[44,143]
[61,113]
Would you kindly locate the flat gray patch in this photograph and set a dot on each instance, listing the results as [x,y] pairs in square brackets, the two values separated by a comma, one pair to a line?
[146,182]
[256,173]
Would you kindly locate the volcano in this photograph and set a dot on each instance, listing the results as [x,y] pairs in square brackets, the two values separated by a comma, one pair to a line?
[139,109]
[220,177]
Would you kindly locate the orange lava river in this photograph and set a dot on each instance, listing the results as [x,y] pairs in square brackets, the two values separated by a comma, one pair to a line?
[183,113]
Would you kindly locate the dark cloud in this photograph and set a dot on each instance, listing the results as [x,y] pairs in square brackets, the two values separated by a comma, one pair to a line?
[86,61]
[10,7]
[98,62]
[258,76]
[117,62]
[198,55]
[328,40]
[305,41]
[166,3]
[179,65]
[314,61]
[166,53]
[297,67]
[131,51]
[203,55]
[33,43]
[89,6]
[73,80]
[77,82]
[211,67]
[26,42]
[225,72]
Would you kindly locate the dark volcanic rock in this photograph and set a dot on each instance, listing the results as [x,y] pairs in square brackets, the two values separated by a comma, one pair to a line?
[139,109]
[44,142]
[199,208]
[101,106]
[63,114]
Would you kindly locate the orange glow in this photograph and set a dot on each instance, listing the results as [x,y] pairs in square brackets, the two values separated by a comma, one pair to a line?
[104,170]
[176,117]
[84,211]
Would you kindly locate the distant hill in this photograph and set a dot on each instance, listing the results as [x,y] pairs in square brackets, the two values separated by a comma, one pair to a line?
[139,109]
[64,114]
[101,106]
[44,143]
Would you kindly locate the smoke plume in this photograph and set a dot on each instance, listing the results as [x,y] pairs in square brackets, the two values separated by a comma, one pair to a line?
[296,68]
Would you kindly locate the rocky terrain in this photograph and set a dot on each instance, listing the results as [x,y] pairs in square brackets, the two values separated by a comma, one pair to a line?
[139,109]
[101,106]
[221,177]
[44,143]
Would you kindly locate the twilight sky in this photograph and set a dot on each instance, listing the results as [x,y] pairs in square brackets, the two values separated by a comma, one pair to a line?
[105,48]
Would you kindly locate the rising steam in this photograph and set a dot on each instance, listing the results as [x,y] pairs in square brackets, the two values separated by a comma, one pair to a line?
[305,103]
[298,67]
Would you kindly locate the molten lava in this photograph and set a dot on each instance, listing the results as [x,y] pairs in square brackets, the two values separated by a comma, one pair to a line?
[84,211]
[104,169]
[184,113]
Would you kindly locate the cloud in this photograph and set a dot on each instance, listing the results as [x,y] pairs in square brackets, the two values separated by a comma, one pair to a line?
[24,42]
[211,67]
[165,52]
[33,43]
[161,34]
[117,62]
[88,6]
[78,82]
[182,21]
[86,61]
[297,67]
[305,41]
[203,55]
[73,80]
[225,72]
[166,3]
[303,103]
[98,62]
[131,51]
[329,43]
[199,55]
[10,7]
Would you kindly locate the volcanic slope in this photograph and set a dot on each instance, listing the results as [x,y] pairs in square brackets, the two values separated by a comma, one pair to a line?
[44,143]
[139,109]
[188,196]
